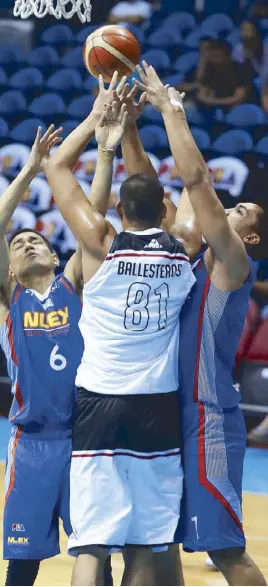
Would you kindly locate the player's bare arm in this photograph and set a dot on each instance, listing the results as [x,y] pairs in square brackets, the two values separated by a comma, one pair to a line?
[10,200]
[226,260]
[91,229]
[186,226]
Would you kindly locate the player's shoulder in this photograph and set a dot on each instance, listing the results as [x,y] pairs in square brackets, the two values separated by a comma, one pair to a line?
[148,240]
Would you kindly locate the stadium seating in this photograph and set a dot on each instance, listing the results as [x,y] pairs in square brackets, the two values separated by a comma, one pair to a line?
[80,107]
[153,136]
[57,35]
[50,107]
[262,146]
[12,104]
[216,24]
[186,62]
[67,82]
[25,131]
[246,115]
[183,22]
[158,59]
[233,142]
[4,130]
[201,138]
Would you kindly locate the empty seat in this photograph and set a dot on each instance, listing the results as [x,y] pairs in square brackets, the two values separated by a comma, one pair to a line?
[47,106]
[158,58]
[73,58]
[160,38]
[181,21]
[3,77]
[65,79]
[43,57]
[82,36]
[68,127]
[11,54]
[217,24]
[12,103]
[3,128]
[81,107]
[262,146]
[27,77]
[186,62]
[233,141]
[58,34]
[25,131]
[245,115]
[153,137]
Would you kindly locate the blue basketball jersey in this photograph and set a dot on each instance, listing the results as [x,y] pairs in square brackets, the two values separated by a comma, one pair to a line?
[43,347]
[211,326]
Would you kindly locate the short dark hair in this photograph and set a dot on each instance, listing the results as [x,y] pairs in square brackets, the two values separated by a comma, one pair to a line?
[142,197]
[22,230]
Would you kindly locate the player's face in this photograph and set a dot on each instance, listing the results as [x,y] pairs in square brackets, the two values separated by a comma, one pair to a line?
[29,255]
[244,219]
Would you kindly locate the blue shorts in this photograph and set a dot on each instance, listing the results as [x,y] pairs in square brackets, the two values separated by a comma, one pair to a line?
[214,443]
[37,495]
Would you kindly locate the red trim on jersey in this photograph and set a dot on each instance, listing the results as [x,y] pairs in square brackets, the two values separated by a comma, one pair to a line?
[112,256]
[199,337]
[202,468]
[12,471]
[67,285]
[11,340]
[19,399]
[17,294]
[127,454]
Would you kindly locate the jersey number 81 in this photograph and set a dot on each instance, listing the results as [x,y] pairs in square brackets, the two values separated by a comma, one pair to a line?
[137,314]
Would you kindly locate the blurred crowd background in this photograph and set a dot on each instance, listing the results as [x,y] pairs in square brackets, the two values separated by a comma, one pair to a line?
[215,51]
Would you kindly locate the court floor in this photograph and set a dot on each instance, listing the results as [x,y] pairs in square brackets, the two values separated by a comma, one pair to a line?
[57,571]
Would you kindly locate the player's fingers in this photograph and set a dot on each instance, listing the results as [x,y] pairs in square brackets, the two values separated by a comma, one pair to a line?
[103,118]
[183,95]
[38,135]
[121,85]
[141,73]
[141,86]
[101,83]
[122,112]
[55,134]
[55,141]
[142,101]
[113,81]
[47,133]
[124,120]
[125,92]
[115,111]
[133,92]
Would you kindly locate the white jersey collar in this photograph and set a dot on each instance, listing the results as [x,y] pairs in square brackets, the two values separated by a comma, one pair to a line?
[148,231]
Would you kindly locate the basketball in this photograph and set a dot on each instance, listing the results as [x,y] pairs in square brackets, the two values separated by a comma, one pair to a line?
[111,48]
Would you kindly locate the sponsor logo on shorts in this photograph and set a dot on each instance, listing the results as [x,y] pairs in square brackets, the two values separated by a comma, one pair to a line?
[21,541]
[18,528]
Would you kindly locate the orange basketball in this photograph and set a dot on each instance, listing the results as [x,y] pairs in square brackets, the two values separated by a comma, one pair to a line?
[111,48]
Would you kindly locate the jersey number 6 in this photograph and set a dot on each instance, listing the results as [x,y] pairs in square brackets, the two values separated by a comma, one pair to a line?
[137,313]
[57,361]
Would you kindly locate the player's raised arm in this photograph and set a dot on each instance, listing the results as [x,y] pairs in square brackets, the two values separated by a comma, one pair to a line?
[90,228]
[226,246]
[186,226]
[76,142]
[135,158]
[10,200]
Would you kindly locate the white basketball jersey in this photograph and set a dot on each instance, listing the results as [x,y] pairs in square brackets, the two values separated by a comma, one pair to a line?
[130,316]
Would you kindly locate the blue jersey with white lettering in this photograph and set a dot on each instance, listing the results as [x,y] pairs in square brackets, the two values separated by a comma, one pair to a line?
[43,347]
[212,321]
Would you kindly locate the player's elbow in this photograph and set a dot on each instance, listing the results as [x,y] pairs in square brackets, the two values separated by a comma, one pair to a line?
[199,177]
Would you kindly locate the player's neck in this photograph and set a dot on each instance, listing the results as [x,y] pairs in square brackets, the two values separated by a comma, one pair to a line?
[39,283]
[133,227]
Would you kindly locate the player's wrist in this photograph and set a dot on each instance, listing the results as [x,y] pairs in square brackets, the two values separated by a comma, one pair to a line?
[106,152]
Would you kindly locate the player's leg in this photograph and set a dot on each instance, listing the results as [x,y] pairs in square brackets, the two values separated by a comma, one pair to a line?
[32,483]
[214,446]
[149,566]
[237,567]
[100,499]
[89,566]
[155,478]
[22,572]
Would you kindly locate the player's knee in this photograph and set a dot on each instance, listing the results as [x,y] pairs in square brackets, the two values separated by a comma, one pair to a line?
[22,572]
[227,557]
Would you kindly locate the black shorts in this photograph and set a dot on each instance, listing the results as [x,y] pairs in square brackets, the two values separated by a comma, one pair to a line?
[143,423]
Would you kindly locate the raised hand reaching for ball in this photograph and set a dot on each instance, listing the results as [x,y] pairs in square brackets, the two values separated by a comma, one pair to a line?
[111,126]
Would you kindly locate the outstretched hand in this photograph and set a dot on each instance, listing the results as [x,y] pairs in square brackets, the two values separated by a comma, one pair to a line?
[112,124]
[157,94]
[105,96]
[42,146]
[127,96]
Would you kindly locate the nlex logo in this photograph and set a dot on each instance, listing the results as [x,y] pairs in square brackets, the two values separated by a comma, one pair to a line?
[21,540]
[46,320]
